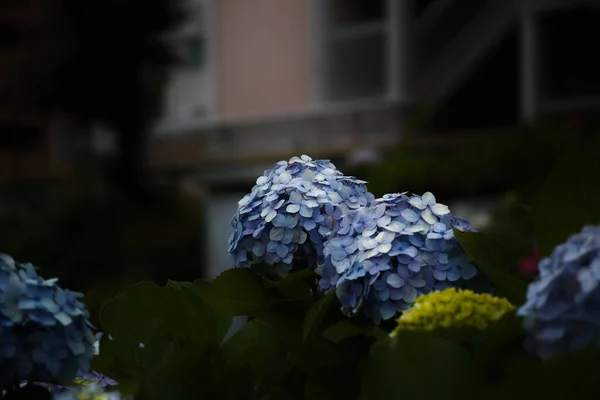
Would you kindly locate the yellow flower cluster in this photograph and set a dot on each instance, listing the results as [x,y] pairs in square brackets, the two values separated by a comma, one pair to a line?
[88,391]
[92,396]
[453,309]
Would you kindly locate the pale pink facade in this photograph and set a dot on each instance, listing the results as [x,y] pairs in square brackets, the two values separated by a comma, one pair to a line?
[331,78]
[263,57]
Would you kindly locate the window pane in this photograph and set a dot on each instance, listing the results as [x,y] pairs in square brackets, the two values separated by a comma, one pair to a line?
[350,12]
[571,45]
[196,52]
[191,51]
[357,68]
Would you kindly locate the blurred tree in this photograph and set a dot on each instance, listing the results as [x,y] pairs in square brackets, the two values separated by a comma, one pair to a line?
[97,241]
[478,164]
[105,62]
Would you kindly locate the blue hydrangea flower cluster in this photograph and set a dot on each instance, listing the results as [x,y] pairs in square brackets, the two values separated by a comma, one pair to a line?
[45,334]
[290,212]
[84,378]
[384,256]
[561,311]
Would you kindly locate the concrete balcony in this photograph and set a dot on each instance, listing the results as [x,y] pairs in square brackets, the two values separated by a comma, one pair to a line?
[325,132]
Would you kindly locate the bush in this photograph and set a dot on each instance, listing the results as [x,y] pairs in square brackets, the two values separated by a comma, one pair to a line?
[393,298]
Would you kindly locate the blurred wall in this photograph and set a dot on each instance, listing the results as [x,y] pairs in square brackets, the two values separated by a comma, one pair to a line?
[220,207]
[263,56]
[189,96]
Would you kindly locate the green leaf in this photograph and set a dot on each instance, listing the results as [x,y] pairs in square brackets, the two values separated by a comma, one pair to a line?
[286,321]
[320,388]
[255,346]
[573,186]
[295,289]
[489,256]
[237,291]
[200,285]
[316,314]
[128,319]
[345,329]
[194,317]
[298,276]
[176,326]
[295,285]
[497,349]
[193,292]
[319,383]
[419,366]
[573,376]
[130,322]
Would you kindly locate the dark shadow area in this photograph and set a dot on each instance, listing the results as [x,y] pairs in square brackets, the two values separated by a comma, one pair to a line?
[488,97]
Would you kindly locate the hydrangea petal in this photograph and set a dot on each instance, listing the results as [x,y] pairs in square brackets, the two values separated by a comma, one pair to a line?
[440,209]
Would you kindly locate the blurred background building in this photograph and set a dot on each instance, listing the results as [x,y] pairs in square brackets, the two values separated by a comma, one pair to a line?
[29,142]
[268,79]
[263,80]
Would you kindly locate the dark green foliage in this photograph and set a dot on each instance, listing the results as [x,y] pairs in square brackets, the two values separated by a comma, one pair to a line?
[482,163]
[181,354]
[96,242]
[488,254]
[420,366]
[280,353]
[298,344]
[572,376]
[316,314]
[512,222]
[570,197]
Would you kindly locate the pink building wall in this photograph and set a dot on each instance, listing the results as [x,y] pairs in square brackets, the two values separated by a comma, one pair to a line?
[262,56]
